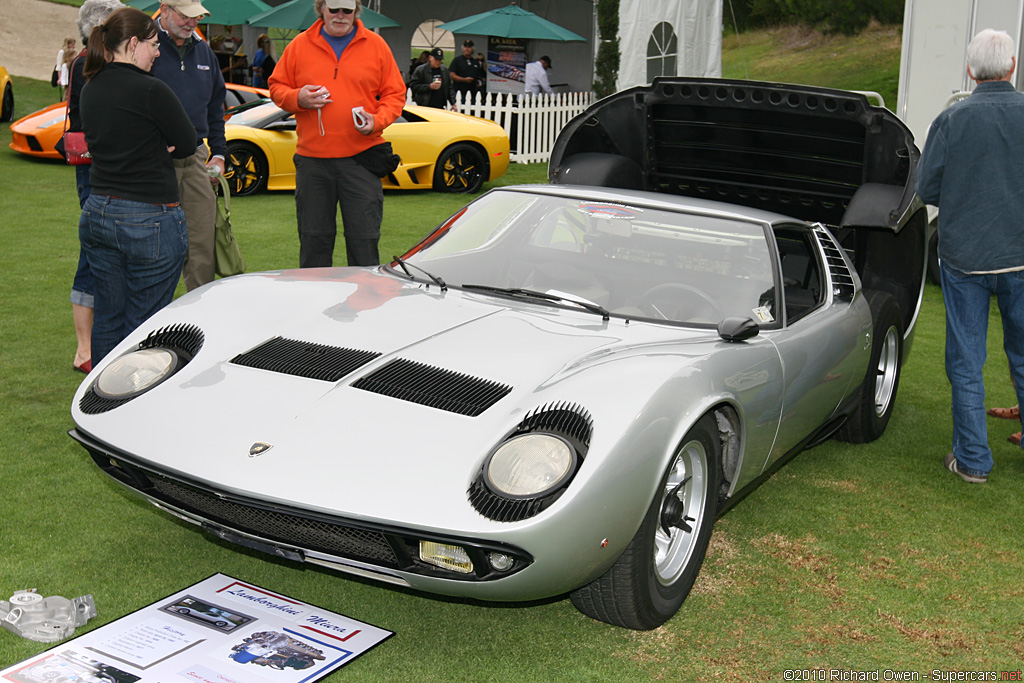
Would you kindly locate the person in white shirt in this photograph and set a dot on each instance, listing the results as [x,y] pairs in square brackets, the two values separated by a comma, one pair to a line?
[537,76]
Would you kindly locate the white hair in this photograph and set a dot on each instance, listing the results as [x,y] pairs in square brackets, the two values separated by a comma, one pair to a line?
[93,13]
[990,55]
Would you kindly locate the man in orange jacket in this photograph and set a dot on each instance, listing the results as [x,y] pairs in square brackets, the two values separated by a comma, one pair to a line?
[341,81]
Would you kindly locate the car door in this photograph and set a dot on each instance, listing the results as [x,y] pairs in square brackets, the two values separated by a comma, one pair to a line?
[819,339]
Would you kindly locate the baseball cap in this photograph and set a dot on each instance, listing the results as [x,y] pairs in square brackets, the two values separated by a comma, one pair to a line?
[189,8]
[340,4]
[467,43]
[547,59]
[437,53]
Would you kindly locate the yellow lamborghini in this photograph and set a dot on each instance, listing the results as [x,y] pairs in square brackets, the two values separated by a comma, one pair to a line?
[440,149]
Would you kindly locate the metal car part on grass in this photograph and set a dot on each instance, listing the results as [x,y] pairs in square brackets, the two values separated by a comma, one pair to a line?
[45,620]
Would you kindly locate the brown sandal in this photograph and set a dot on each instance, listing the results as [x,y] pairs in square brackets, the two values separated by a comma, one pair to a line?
[1014,438]
[1005,413]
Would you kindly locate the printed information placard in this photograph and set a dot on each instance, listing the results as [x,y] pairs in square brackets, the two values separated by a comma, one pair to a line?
[219,630]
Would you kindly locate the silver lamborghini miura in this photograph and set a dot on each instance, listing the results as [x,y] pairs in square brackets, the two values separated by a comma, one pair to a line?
[560,388]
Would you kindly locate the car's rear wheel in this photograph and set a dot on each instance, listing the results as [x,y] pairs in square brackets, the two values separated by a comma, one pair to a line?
[247,170]
[7,108]
[878,390]
[653,576]
[460,168]
[934,271]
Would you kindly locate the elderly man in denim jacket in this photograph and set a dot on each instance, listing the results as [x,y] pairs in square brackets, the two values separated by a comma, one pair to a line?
[972,168]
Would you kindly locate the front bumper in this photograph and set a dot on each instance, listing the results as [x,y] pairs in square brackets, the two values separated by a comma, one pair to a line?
[386,553]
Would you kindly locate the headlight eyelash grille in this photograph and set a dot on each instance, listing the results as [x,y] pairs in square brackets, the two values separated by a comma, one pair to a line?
[568,420]
[183,338]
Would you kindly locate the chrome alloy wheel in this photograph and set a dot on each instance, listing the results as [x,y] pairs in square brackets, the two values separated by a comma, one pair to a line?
[683,506]
[887,371]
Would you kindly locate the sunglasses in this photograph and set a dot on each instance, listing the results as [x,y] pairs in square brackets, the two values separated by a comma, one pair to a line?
[335,11]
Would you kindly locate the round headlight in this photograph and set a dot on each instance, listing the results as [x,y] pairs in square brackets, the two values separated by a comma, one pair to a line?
[136,372]
[529,466]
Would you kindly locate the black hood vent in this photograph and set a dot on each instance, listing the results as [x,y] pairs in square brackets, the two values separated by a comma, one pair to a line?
[305,359]
[434,387]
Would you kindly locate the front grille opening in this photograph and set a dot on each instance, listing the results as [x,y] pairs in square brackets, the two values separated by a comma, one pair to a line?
[326,537]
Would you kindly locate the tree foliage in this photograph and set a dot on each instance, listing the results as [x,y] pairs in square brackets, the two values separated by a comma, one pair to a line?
[829,16]
[607,63]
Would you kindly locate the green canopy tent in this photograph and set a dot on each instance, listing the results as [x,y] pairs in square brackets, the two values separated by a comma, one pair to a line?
[511,22]
[300,15]
[232,12]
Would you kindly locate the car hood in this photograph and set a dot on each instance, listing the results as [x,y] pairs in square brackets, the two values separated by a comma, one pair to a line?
[342,448]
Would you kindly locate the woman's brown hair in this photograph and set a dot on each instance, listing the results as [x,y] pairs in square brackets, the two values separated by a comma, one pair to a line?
[120,27]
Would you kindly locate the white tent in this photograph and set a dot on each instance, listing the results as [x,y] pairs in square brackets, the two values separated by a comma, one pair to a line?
[669,37]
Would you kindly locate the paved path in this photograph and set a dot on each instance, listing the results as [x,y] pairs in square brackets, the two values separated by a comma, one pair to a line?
[32,32]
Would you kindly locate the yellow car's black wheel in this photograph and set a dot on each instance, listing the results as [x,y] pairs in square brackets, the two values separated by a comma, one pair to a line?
[247,169]
[460,168]
[7,108]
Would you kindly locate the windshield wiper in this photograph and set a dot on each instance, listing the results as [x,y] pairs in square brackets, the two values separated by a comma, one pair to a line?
[406,266]
[520,293]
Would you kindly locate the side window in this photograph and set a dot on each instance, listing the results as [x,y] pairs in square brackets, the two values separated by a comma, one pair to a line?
[802,284]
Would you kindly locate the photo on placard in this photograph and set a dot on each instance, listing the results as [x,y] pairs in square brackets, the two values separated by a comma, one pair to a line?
[281,650]
[212,616]
[69,665]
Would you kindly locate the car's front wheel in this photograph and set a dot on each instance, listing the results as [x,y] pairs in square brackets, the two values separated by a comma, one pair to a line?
[460,168]
[878,390]
[7,108]
[653,576]
[247,170]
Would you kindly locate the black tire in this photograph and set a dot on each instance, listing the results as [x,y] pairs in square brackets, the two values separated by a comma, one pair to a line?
[653,576]
[934,273]
[460,168]
[7,107]
[246,169]
[878,390]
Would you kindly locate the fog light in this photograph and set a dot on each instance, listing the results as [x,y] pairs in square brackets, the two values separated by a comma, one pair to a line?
[500,561]
[446,556]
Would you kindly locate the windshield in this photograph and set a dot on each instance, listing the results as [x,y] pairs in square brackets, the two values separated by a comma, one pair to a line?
[634,261]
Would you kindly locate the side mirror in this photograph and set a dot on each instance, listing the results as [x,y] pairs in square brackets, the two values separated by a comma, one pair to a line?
[737,329]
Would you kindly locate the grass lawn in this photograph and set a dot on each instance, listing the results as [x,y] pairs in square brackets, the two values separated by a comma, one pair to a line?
[869,60]
[863,558]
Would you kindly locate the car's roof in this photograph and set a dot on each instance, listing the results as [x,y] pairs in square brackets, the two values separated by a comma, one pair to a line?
[657,200]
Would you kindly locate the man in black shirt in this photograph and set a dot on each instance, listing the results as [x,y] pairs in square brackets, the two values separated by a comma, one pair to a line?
[432,84]
[468,72]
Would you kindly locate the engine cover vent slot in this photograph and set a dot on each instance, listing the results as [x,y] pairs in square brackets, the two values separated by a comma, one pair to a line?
[305,359]
[447,390]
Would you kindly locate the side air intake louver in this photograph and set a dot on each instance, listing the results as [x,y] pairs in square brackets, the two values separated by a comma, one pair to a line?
[843,286]
[434,387]
[305,359]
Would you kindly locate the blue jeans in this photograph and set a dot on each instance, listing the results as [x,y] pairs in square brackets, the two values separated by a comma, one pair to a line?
[82,286]
[967,300]
[135,252]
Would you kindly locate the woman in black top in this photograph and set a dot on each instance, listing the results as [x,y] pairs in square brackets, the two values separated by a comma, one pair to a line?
[132,227]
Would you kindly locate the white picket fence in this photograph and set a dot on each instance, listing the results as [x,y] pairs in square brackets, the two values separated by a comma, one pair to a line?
[531,121]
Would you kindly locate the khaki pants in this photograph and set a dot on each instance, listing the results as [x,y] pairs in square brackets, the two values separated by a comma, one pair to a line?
[200,205]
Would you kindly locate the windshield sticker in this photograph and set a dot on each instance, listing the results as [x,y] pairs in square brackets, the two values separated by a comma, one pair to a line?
[763,315]
[609,211]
